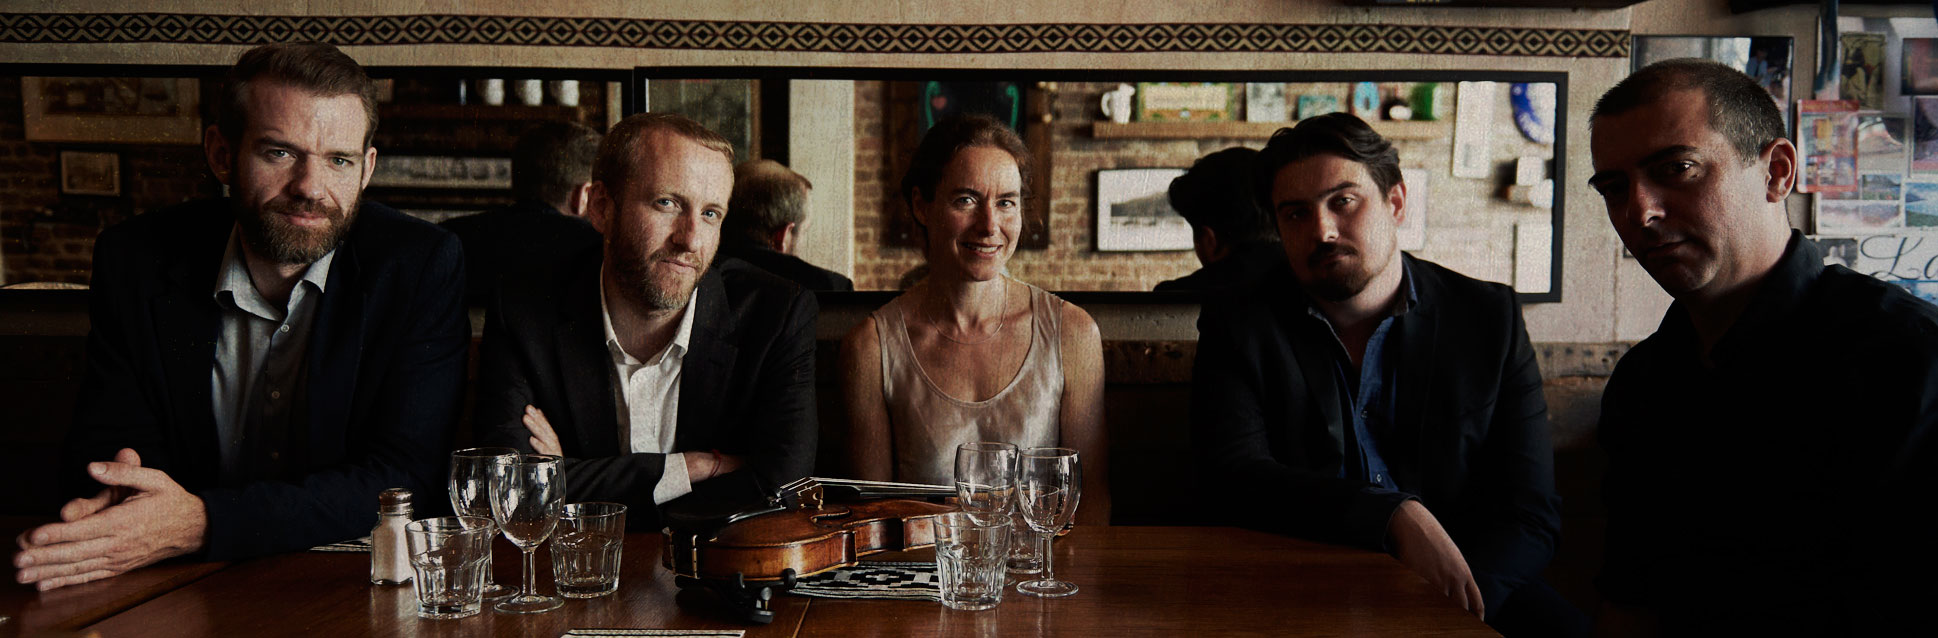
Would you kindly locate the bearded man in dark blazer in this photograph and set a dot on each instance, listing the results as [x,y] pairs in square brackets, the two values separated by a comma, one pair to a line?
[260,366]
[658,373]
[1361,396]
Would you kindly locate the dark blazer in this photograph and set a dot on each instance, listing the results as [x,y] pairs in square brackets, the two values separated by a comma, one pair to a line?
[514,238]
[746,387]
[385,365]
[1470,436]
[789,267]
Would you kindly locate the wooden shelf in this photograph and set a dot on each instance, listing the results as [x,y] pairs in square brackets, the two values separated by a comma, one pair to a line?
[1254,130]
[477,112]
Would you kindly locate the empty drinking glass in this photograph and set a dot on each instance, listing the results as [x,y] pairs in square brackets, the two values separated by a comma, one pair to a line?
[1049,483]
[585,552]
[450,556]
[526,496]
[985,476]
[970,548]
[471,470]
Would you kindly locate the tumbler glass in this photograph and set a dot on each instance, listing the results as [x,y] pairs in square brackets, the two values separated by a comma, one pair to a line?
[450,556]
[970,549]
[585,549]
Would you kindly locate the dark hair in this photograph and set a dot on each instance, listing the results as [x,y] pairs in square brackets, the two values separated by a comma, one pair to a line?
[620,148]
[1216,193]
[947,138]
[552,158]
[312,66]
[1339,134]
[1739,108]
[766,198]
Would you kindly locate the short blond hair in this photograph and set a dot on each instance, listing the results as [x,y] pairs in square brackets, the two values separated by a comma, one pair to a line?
[619,151]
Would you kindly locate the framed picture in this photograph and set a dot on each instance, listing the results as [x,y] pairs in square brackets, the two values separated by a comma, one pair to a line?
[1920,71]
[1134,211]
[90,173]
[424,171]
[1186,102]
[729,107]
[1765,58]
[112,110]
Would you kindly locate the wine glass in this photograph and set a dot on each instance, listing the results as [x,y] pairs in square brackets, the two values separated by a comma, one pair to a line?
[986,477]
[526,496]
[1050,481]
[471,470]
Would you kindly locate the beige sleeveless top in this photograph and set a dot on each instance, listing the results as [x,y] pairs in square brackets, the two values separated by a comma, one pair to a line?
[927,424]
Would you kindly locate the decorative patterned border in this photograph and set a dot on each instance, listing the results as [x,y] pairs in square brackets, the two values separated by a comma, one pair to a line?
[177,28]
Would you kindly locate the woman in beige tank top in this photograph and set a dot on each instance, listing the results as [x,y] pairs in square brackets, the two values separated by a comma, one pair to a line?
[970,354]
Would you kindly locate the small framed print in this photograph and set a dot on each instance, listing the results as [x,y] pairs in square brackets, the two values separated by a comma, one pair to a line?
[1134,211]
[90,173]
[422,171]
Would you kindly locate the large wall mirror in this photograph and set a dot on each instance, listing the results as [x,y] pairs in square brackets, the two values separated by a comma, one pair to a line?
[87,146]
[1480,151]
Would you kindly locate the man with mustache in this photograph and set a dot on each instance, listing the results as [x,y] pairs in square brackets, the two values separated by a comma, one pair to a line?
[1357,395]
[657,372]
[1773,446]
[259,367]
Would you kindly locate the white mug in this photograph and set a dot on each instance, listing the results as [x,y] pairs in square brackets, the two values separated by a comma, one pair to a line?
[530,92]
[1117,104]
[493,91]
[565,91]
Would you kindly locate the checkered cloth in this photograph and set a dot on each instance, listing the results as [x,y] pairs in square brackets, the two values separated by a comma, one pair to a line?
[896,581]
[354,545]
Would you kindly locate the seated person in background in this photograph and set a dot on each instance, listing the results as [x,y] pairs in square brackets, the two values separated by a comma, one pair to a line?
[769,210]
[1358,395]
[1234,238]
[970,354]
[654,369]
[551,175]
[1771,448]
[259,367]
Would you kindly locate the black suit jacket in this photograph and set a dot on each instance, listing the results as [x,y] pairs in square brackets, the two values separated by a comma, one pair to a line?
[385,365]
[1469,440]
[515,238]
[746,387]
[789,267]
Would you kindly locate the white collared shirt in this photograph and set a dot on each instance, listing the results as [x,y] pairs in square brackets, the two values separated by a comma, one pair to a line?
[257,380]
[648,397]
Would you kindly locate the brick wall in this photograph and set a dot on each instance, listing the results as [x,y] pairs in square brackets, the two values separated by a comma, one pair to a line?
[48,236]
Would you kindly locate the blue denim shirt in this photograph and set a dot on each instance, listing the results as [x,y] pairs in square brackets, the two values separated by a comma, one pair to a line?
[1368,396]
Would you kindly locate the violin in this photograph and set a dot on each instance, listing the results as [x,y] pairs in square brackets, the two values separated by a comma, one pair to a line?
[812,525]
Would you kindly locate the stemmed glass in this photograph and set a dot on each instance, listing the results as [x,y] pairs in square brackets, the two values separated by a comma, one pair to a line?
[1050,481]
[986,477]
[526,496]
[471,471]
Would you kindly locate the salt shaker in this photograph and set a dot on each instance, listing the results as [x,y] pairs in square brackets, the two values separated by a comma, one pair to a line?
[389,558]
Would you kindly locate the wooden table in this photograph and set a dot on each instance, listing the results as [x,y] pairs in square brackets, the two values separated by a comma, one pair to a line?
[1134,580]
[32,612]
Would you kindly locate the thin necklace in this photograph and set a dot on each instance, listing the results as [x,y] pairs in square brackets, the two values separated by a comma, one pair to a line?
[1000,323]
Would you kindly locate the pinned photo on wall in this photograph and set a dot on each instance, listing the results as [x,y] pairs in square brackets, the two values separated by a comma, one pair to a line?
[1881,143]
[1862,69]
[1919,71]
[1906,259]
[1924,136]
[1265,102]
[1921,205]
[1766,58]
[1474,129]
[1857,216]
[1419,190]
[1827,141]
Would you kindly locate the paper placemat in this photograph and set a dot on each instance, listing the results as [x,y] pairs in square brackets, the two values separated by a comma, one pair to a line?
[698,633]
[870,579]
[355,545]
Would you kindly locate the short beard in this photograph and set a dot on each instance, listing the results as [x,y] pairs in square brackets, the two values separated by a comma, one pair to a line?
[283,243]
[1338,286]
[636,279]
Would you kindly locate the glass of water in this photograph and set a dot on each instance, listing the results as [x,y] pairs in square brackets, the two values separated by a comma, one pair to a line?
[970,548]
[526,497]
[585,549]
[450,556]
[1049,483]
[986,482]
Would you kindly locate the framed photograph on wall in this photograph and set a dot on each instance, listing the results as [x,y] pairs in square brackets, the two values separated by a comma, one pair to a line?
[1134,211]
[90,173]
[427,171]
[1920,71]
[112,110]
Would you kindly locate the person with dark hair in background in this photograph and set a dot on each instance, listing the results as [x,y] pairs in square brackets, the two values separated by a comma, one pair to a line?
[551,177]
[1772,446]
[970,354]
[1234,238]
[261,366]
[1362,396]
[657,371]
[769,211]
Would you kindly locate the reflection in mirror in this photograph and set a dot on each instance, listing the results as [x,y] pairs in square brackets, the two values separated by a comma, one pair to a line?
[1479,151]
